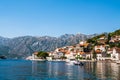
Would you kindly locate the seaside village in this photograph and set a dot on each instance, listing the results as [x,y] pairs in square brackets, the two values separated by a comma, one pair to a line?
[86,51]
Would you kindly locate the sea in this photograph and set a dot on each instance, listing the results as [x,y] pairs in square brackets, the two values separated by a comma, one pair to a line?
[57,70]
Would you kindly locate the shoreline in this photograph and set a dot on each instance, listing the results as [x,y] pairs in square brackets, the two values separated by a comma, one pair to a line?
[79,60]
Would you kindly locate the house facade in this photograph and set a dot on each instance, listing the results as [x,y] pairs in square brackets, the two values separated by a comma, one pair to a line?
[115,54]
[100,51]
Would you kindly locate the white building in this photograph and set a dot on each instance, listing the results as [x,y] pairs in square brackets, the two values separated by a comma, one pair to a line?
[115,55]
[102,48]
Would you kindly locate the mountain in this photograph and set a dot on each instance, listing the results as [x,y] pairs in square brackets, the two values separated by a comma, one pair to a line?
[21,47]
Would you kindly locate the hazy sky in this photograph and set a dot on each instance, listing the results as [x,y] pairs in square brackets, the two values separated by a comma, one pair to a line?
[57,17]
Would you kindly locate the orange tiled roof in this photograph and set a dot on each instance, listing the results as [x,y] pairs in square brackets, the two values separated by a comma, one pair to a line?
[81,52]
[86,44]
[35,53]
[98,51]
[68,52]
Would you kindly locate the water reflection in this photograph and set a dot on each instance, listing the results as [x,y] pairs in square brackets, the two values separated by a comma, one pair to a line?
[14,70]
[90,71]
[57,70]
[35,70]
[103,70]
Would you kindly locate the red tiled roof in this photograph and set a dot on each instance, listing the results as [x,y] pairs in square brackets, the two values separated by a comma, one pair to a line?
[98,51]
[35,53]
[81,52]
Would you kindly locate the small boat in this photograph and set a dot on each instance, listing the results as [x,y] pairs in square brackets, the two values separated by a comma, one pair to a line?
[78,63]
[70,61]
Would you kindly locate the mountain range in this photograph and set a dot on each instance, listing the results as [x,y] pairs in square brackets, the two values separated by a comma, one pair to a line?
[21,47]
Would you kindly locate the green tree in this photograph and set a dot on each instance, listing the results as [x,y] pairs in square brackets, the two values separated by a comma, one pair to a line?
[63,57]
[108,39]
[94,55]
[90,41]
[77,57]
[118,45]
[112,45]
[117,32]
[42,54]
[108,55]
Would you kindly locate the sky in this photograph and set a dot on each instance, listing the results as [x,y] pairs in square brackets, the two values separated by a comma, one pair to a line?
[58,17]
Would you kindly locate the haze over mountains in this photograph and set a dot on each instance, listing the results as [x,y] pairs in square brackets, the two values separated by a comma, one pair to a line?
[21,47]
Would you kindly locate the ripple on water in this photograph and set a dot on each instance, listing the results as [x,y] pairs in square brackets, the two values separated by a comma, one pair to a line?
[33,70]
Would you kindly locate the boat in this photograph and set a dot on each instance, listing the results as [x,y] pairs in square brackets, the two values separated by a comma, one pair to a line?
[70,61]
[78,63]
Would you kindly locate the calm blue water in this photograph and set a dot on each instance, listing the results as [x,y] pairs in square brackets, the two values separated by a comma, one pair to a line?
[33,70]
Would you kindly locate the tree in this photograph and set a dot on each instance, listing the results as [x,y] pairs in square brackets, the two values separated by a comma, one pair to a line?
[77,57]
[63,57]
[112,45]
[118,45]
[90,41]
[117,32]
[108,55]
[94,55]
[42,54]
[108,39]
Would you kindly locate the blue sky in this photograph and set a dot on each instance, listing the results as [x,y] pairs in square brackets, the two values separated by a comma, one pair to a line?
[58,17]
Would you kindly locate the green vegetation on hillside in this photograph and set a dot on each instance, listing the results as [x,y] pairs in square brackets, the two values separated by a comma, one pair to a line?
[117,32]
[42,54]
[95,39]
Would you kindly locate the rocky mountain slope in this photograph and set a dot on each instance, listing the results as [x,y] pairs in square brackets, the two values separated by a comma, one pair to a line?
[21,47]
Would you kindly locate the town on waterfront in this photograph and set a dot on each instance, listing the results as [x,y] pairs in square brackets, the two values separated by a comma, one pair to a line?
[103,47]
[59,39]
